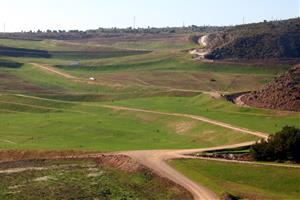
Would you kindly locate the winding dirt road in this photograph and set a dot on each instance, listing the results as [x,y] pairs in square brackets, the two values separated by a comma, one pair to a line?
[195,117]
[156,159]
[203,51]
[203,40]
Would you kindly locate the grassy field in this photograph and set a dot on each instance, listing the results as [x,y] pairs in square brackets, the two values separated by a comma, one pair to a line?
[42,124]
[84,179]
[243,180]
[149,75]
[161,79]
[56,45]
[143,81]
[70,116]
[219,109]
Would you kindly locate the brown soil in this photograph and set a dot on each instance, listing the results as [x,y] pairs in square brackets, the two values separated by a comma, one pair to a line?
[182,127]
[17,155]
[282,94]
[11,82]
[121,162]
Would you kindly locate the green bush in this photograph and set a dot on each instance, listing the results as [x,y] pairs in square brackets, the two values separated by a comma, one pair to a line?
[283,146]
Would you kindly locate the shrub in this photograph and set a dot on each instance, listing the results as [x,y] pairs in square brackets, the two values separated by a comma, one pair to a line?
[283,146]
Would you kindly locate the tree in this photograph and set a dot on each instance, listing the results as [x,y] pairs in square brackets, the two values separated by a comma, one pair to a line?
[284,145]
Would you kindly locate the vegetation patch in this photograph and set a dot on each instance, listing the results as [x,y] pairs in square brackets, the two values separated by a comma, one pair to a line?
[21,52]
[283,146]
[83,179]
[276,39]
[9,64]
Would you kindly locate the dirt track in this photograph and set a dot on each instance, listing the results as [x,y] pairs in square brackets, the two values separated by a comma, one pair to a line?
[203,40]
[200,118]
[201,53]
[50,69]
[47,68]
[156,159]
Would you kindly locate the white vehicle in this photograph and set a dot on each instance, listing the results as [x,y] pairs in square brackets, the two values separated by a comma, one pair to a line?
[92,79]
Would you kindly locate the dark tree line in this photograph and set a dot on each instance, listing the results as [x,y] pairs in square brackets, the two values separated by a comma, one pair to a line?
[283,146]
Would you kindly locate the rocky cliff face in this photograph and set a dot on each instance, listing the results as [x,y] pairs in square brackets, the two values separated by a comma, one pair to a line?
[282,94]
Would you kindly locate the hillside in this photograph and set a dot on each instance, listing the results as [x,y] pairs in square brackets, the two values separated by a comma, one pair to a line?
[283,93]
[266,40]
[111,33]
[138,96]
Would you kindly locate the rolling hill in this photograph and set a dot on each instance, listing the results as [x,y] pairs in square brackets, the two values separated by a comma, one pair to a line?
[266,40]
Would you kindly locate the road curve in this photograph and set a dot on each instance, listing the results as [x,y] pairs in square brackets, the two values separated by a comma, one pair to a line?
[195,117]
[156,159]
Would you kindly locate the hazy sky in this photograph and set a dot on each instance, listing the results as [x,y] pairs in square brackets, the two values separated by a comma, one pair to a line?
[90,14]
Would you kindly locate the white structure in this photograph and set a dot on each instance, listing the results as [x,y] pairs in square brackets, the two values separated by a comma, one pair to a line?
[75,63]
[92,79]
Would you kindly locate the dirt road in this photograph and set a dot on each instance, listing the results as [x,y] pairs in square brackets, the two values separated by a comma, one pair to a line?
[156,159]
[203,41]
[203,51]
[200,118]
[50,69]
[195,117]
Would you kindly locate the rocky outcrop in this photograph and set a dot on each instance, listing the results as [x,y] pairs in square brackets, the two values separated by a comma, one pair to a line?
[282,94]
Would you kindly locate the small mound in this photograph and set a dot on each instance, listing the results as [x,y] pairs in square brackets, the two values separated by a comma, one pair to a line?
[282,94]
[120,162]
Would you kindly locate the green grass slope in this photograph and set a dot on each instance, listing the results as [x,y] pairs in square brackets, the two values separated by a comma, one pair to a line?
[218,109]
[243,180]
[42,124]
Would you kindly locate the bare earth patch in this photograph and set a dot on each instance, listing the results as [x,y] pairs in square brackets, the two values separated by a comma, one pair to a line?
[43,178]
[183,127]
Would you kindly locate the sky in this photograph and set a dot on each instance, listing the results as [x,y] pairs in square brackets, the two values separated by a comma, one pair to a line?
[25,15]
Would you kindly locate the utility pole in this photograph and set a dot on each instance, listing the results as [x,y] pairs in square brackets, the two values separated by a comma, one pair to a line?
[243,20]
[134,22]
[4,27]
